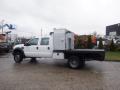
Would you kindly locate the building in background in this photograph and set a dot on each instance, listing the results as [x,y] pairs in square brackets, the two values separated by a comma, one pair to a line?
[113,32]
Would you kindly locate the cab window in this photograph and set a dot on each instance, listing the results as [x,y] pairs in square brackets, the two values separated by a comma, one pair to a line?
[44,41]
[33,41]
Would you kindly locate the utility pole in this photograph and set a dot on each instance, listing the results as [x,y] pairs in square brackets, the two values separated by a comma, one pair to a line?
[41,32]
[2,24]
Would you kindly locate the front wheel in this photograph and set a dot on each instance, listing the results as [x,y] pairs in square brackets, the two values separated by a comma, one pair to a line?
[18,57]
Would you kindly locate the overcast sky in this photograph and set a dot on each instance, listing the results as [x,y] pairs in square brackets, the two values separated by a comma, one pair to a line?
[79,16]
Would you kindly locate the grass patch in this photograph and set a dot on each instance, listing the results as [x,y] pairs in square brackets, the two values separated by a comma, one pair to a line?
[112,56]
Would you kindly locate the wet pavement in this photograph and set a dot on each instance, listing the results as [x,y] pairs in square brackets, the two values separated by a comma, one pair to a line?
[48,74]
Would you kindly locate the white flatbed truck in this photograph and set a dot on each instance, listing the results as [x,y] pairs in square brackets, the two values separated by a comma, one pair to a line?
[59,45]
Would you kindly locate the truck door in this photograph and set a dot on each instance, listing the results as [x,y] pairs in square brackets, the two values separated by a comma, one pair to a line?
[31,48]
[45,48]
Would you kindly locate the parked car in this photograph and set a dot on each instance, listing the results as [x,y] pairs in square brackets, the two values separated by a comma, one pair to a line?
[5,47]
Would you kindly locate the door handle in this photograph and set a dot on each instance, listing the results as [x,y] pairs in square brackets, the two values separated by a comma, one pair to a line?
[48,48]
[37,48]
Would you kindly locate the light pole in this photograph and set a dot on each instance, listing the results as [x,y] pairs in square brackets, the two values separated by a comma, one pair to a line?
[2,24]
[41,32]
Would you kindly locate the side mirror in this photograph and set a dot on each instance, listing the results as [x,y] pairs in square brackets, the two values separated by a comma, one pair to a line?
[26,44]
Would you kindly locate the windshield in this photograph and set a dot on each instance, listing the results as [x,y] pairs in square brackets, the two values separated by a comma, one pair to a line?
[33,41]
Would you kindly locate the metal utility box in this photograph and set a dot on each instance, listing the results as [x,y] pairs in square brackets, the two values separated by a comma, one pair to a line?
[63,39]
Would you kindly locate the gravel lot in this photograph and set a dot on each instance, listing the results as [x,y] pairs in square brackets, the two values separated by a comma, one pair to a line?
[48,74]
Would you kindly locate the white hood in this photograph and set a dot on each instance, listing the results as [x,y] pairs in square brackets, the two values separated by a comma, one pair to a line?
[18,46]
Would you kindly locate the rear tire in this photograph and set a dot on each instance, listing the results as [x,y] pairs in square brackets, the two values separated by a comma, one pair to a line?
[74,62]
[18,57]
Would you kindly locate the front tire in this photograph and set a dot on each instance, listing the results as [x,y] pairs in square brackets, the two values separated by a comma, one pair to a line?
[18,57]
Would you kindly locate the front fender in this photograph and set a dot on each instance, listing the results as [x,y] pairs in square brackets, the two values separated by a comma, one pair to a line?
[18,50]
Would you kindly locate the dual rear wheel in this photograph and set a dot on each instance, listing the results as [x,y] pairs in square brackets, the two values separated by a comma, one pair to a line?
[74,62]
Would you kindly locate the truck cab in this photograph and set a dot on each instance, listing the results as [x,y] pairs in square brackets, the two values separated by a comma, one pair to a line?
[37,47]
